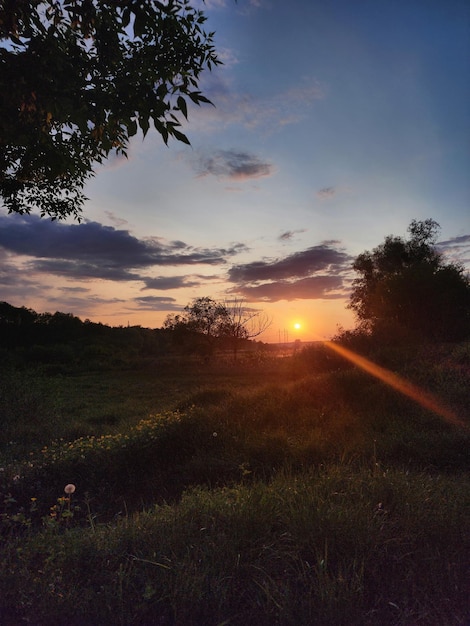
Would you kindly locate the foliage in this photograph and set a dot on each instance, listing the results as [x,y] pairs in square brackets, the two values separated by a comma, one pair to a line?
[293,491]
[334,547]
[29,407]
[228,322]
[205,316]
[263,419]
[78,79]
[62,342]
[406,291]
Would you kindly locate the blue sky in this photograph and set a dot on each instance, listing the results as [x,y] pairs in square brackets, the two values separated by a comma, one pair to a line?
[335,124]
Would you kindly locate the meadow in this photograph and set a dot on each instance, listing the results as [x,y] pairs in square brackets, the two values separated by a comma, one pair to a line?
[293,491]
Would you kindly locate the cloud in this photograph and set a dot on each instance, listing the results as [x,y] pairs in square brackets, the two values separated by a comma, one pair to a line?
[74,290]
[299,264]
[156,303]
[9,273]
[234,165]
[317,272]
[77,270]
[211,4]
[15,283]
[266,115]
[222,4]
[311,288]
[456,249]
[117,221]
[227,56]
[83,305]
[163,283]
[462,241]
[91,250]
[289,234]
[326,192]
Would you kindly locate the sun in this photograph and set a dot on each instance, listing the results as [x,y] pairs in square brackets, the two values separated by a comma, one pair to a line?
[297,326]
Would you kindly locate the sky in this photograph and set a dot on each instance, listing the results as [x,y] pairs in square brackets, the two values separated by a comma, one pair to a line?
[335,124]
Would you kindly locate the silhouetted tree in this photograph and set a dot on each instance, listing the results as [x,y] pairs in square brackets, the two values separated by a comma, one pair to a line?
[196,329]
[242,323]
[229,322]
[78,78]
[406,289]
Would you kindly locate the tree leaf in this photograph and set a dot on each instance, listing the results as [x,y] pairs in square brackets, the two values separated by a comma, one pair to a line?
[181,102]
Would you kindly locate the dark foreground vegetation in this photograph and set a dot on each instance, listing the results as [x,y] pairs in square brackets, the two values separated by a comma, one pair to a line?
[268,491]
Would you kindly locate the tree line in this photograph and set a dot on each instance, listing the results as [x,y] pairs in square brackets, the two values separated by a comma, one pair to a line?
[62,340]
[405,292]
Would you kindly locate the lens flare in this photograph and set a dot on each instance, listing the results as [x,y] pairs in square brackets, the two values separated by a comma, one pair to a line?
[424,398]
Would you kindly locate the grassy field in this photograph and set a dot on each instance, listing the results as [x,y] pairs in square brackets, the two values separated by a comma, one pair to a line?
[297,491]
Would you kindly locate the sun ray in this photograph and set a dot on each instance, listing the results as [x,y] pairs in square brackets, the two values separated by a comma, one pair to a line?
[424,398]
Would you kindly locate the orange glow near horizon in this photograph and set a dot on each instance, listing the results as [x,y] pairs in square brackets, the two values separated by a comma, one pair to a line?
[424,398]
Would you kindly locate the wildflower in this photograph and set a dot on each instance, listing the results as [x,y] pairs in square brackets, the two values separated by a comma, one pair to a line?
[69,489]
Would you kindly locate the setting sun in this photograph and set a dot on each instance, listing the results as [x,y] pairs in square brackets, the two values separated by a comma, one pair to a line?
[297,326]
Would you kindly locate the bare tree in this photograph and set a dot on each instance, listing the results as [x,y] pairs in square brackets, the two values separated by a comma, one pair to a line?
[210,321]
[242,323]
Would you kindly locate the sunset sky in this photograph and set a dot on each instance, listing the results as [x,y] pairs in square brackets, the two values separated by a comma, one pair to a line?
[335,124]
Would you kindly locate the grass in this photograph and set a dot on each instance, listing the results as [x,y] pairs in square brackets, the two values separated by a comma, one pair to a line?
[298,491]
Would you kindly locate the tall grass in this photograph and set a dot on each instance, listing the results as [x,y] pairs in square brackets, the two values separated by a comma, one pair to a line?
[335,546]
[307,493]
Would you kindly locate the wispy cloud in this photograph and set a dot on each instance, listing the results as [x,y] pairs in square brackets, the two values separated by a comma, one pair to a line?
[289,234]
[233,165]
[115,220]
[265,115]
[457,249]
[244,7]
[326,192]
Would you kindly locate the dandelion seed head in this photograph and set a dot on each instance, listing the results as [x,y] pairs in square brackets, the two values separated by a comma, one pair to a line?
[214,434]
[70,488]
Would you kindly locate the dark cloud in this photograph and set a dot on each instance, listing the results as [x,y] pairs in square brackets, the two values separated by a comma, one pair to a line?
[311,288]
[318,272]
[74,290]
[155,303]
[14,281]
[163,283]
[234,165]
[9,274]
[82,306]
[456,249]
[299,264]
[80,271]
[456,241]
[326,192]
[91,250]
